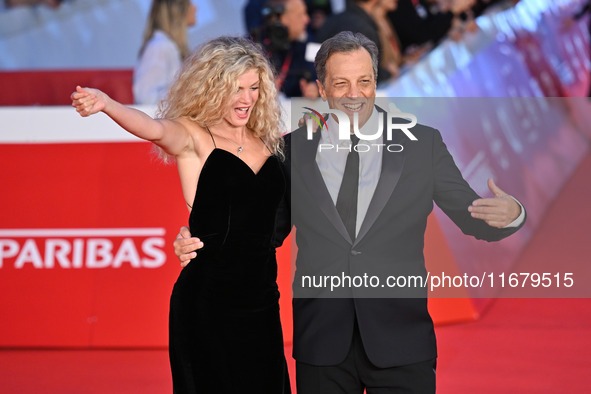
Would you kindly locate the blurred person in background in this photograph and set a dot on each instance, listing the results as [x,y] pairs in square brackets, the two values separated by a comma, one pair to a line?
[319,11]
[481,5]
[282,31]
[253,16]
[357,18]
[163,49]
[463,23]
[392,58]
[419,24]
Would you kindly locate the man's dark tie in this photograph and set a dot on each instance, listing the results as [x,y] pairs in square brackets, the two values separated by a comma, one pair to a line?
[347,198]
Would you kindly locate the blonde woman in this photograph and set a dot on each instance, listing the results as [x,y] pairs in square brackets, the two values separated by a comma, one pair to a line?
[163,49]
[221,124]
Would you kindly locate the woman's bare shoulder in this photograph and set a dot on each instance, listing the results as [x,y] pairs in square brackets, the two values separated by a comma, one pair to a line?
[200,137]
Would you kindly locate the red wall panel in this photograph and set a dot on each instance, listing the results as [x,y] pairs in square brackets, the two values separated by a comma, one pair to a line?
[87,187]
[68,278]
[53,87]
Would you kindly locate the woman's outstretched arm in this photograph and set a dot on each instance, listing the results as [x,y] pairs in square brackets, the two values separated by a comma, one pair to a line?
[172,136]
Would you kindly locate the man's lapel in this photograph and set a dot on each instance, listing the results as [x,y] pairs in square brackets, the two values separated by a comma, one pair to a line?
[392,165]
[303,157]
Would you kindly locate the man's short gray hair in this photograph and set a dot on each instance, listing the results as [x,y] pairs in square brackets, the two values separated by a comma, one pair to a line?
[345,41]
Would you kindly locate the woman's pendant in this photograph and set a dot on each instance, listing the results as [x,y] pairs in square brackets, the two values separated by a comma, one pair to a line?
[239,151]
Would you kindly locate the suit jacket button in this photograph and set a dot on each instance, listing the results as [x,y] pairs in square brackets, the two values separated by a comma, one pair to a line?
[355,252]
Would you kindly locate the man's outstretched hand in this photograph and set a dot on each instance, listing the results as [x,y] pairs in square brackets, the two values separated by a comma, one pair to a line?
[498,211]
[185,246]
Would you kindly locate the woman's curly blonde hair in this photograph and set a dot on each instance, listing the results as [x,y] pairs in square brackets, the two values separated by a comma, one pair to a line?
[210,76]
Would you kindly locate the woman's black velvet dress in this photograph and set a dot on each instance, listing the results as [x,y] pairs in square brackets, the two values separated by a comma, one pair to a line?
[225,332]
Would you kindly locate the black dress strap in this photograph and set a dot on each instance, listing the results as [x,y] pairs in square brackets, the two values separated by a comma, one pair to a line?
[266,146]
[214,145]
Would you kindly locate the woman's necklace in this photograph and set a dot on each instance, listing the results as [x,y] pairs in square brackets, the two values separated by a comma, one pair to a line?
[240,148]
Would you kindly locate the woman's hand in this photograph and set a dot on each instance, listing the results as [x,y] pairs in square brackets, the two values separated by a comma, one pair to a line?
[185,246]
[89,101]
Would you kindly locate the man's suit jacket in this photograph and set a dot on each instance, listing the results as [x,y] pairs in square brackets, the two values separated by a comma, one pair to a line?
[395,330]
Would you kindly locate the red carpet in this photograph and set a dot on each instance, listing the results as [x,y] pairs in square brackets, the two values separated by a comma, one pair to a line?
[518,346]
[530,345]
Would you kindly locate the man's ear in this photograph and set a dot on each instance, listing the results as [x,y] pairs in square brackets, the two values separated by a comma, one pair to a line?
[321,90]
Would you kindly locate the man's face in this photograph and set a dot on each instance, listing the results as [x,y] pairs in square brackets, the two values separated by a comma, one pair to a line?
[350,84]
[295,18]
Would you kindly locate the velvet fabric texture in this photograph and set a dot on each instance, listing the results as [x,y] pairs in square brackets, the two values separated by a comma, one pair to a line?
[225,332]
